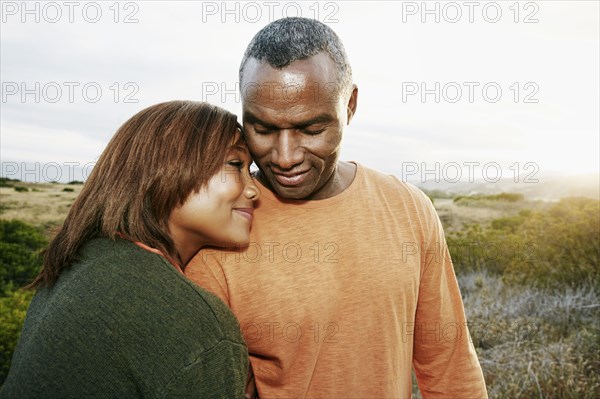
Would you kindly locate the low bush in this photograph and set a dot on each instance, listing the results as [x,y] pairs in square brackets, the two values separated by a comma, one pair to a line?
[534,342]
[8,182]
[553,248]
[505,197]
[20,245]
[13,307]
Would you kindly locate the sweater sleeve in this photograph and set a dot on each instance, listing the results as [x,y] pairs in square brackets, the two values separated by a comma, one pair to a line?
[216,366]
[444,359]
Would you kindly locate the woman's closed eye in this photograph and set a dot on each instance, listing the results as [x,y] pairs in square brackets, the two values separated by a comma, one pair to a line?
[238,164]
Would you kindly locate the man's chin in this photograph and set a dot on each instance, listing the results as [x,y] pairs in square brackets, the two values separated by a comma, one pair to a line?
[291,193]
[298,192]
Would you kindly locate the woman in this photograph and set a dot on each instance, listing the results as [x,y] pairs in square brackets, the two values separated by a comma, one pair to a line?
[114,316]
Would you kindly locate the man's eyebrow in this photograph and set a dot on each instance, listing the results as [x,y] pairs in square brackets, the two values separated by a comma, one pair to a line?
[323,118]
[249,117]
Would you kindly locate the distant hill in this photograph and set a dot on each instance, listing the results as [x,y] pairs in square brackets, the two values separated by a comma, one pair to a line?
[547,188]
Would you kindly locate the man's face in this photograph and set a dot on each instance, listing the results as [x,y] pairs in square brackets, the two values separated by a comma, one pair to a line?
[294,119]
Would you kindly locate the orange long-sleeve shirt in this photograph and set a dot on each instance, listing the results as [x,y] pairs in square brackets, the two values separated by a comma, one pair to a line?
[341,297]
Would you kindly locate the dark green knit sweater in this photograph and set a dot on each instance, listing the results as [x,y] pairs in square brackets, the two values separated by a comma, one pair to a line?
[124,323]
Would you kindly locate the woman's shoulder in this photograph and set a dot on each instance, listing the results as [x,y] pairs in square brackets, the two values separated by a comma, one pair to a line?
[123,314]
[127,286]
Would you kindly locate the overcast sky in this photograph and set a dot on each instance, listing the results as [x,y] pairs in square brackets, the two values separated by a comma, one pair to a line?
[457,86]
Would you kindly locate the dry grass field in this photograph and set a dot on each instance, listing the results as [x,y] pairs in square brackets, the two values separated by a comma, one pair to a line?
[45,205]
[455,217]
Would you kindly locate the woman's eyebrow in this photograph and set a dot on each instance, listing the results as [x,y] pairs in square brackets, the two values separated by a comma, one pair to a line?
[239,147]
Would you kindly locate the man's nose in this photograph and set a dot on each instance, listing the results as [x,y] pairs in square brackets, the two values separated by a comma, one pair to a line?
[287,151]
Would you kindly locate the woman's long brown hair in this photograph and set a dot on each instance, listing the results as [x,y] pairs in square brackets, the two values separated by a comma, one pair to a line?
[151,165]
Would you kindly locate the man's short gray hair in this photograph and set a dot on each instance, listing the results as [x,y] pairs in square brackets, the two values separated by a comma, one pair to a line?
[291,39]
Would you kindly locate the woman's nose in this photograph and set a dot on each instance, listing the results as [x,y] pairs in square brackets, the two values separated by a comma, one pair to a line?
[251,191]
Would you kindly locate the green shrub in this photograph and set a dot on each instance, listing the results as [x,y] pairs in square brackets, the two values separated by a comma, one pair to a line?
[505,197]
[553,248]
[479,249]
[437,194]
[20,244]
[509,197]
[567,251]
[21,189]
[510,224]
[13,307]
[75,182]
[68,190]
[7,182]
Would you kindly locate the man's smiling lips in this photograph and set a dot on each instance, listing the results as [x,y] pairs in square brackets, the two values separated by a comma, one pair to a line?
[290,179]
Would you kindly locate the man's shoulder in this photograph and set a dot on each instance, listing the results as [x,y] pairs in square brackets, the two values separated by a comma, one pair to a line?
[374,180]
[378,177]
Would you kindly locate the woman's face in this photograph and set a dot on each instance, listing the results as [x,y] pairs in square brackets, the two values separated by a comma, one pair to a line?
[220,214]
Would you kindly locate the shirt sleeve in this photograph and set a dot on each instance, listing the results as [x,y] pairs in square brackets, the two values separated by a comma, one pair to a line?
[444,359]
[205,270]
[219,373]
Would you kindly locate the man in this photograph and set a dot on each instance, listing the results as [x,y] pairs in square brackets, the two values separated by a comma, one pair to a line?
[347,283]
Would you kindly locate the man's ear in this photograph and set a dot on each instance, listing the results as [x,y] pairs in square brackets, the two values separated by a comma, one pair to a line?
[352,103]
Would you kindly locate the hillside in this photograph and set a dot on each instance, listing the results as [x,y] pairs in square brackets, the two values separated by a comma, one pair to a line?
[548,188]
[43,204]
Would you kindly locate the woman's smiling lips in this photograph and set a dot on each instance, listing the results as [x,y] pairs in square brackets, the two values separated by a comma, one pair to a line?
[245,212]
[290,179]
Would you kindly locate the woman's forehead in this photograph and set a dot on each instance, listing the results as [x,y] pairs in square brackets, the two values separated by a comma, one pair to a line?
[238,144]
